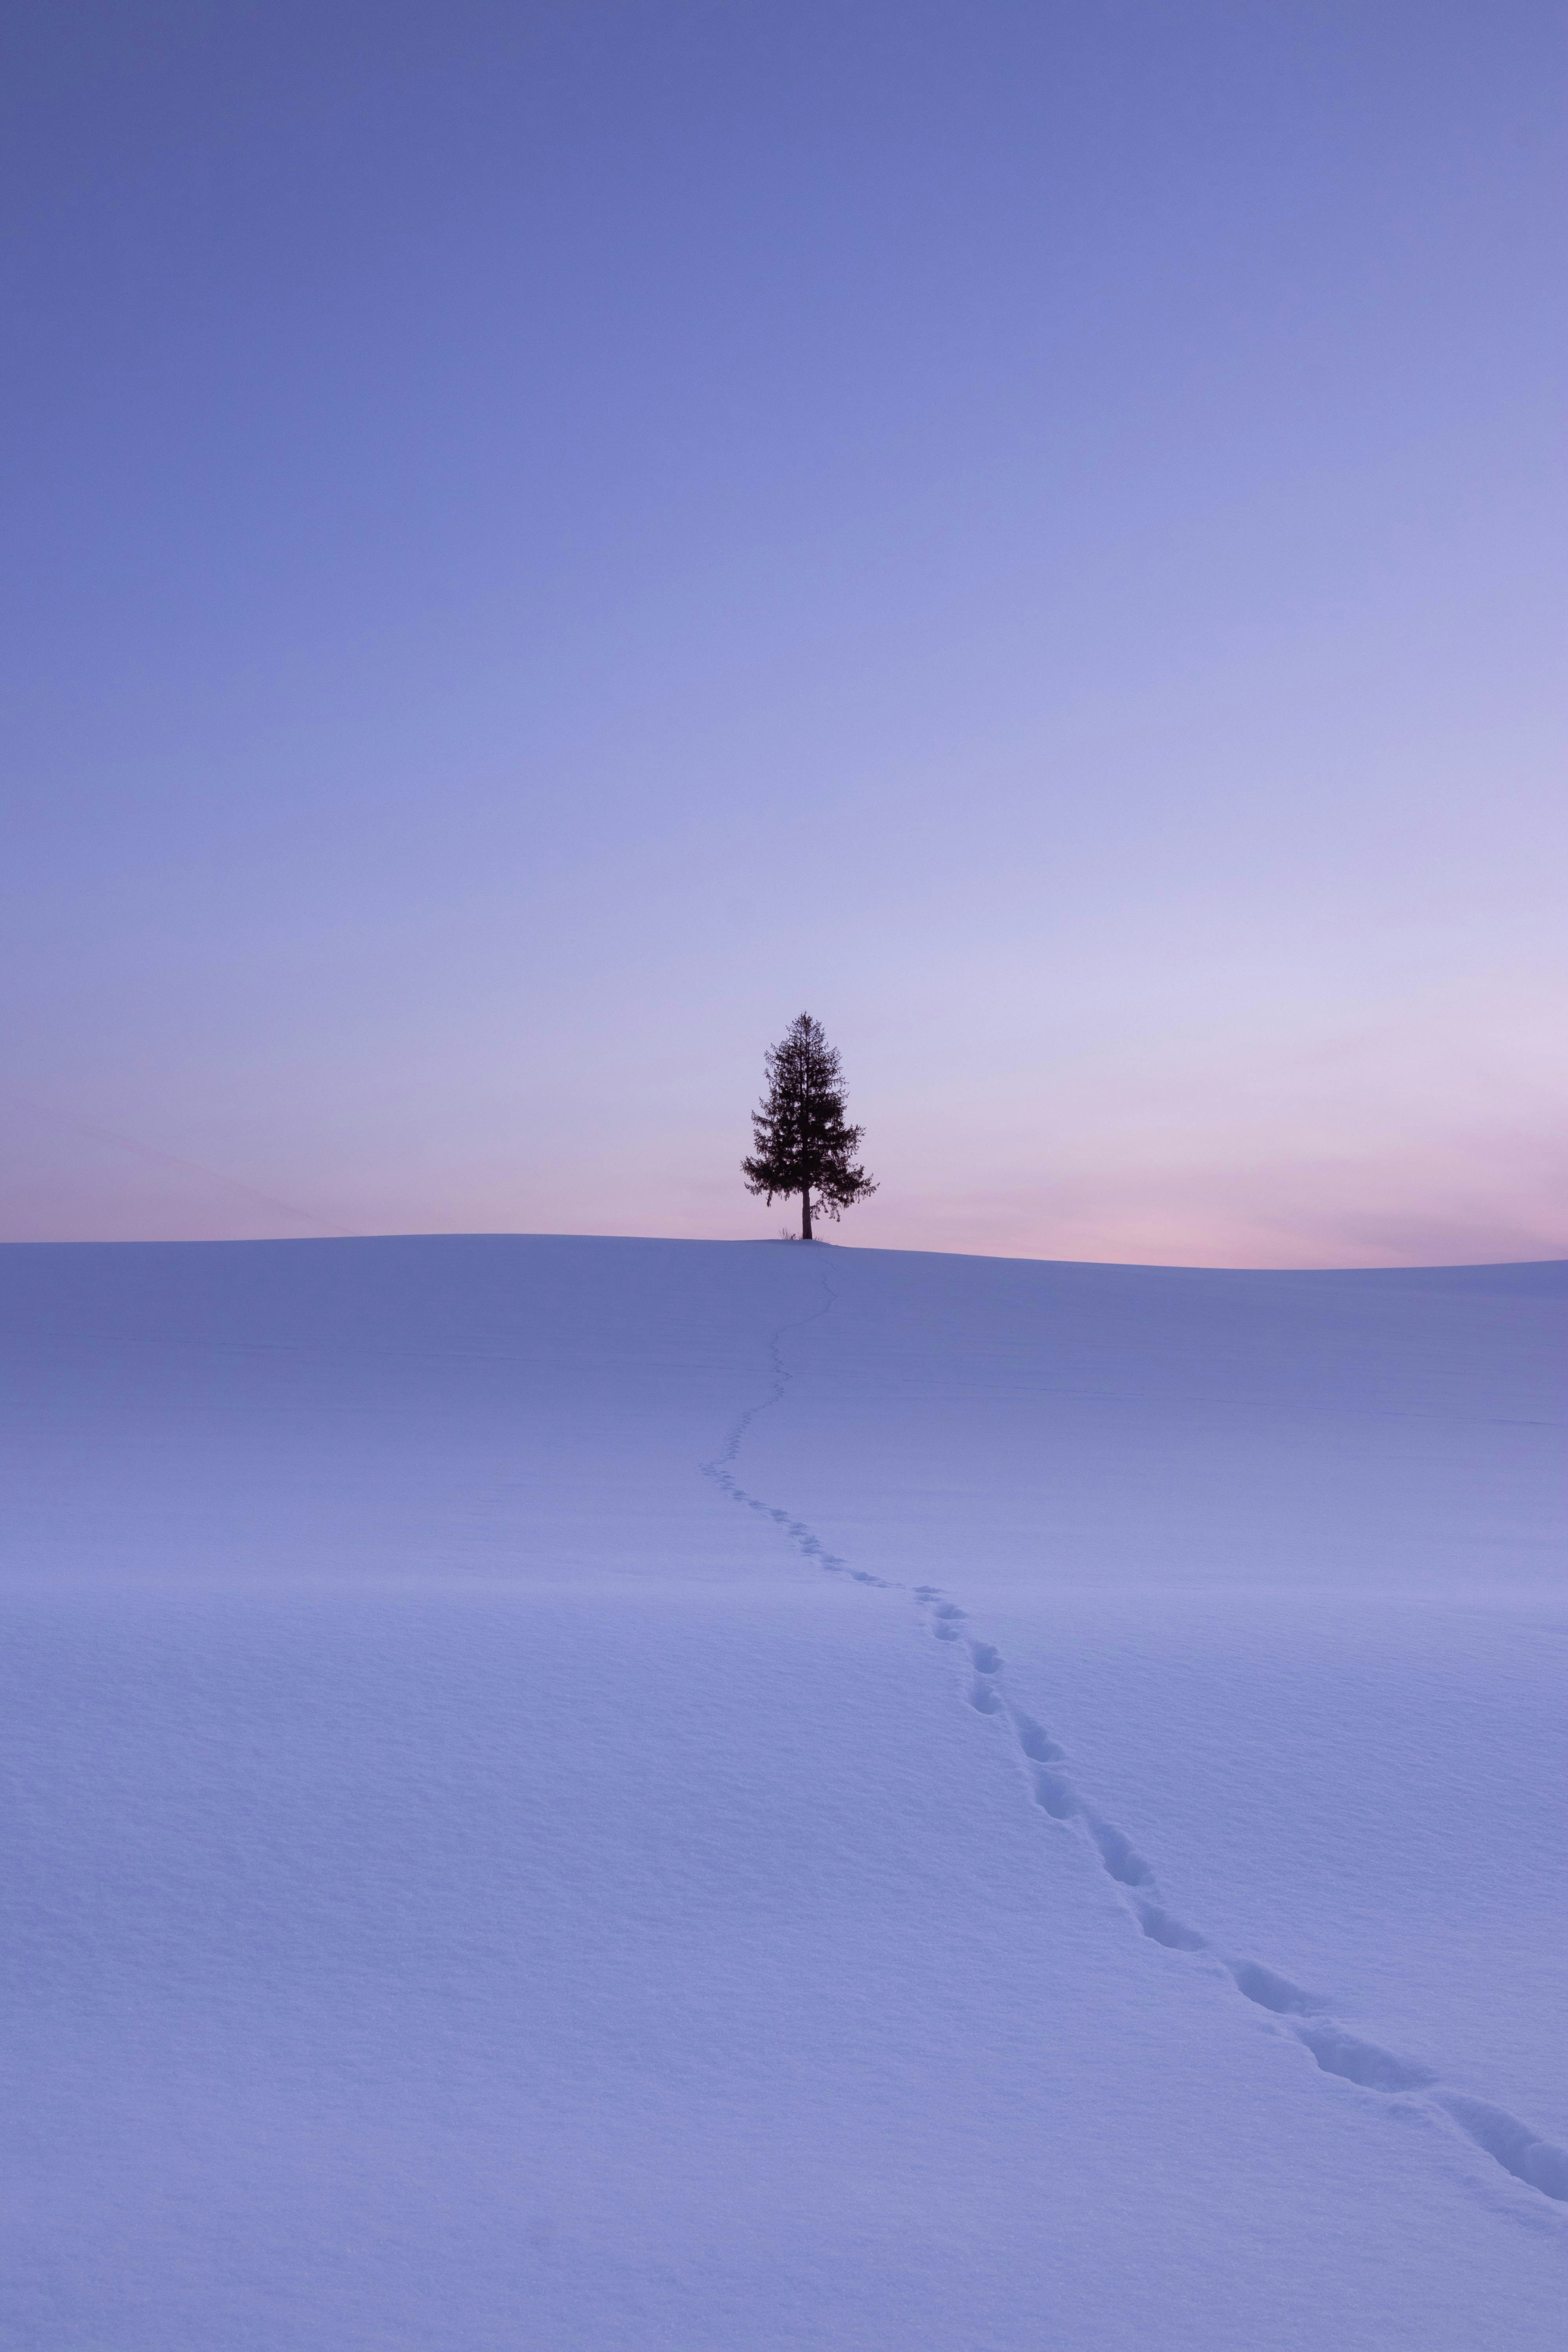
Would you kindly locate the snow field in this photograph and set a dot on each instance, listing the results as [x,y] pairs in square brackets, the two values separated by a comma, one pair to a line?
[931,1882]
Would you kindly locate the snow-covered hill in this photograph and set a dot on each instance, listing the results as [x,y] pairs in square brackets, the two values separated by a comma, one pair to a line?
[604,1794]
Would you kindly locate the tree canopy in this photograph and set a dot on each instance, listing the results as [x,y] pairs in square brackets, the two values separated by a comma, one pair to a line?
[803,1141]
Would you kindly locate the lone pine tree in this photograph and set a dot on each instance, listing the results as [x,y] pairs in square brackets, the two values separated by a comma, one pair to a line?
[803,1141]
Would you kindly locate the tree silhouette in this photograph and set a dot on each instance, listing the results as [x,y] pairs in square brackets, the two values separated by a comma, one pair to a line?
[803,1141]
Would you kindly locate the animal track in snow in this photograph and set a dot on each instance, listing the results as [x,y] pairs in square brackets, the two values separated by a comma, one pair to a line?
[1278,1994]
[1338,2053]
[721,1470]
[1159,1925]
[1538,2163]
[1128,1868]
[1032,1742]
[1056,1795]
[1516,2147]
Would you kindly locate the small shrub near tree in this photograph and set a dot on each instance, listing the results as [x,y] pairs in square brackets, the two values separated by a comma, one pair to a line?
[804,1140]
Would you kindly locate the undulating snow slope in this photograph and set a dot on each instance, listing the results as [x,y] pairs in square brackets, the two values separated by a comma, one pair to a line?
[612,1794]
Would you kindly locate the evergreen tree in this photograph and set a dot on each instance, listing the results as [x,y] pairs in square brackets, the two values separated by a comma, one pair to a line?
[803,1142]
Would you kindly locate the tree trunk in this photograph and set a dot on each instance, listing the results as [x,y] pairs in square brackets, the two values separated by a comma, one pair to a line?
[805,1215]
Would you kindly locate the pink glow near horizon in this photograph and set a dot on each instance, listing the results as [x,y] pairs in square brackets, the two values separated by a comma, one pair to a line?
[1457,1204]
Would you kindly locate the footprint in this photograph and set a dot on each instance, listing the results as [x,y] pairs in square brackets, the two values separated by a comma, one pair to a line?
[1362,2062]
[983,1697]
[1056,1795]
[1126,1866]
[1036,1745]
[1163,1930]
[987,1661]
[1537,2162]
[1278,1994]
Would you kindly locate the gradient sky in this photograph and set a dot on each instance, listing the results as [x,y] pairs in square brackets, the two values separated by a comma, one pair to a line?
[542,540]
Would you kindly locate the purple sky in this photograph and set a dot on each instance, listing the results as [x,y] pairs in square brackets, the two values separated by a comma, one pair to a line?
[542,541]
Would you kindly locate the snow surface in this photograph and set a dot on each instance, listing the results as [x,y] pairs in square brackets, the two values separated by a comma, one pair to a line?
[617,1794]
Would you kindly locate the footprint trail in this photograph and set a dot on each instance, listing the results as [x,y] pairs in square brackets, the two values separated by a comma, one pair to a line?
[1538,2163]
[721,1468]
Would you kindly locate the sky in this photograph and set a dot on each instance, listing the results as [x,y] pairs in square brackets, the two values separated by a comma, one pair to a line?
[543,541]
